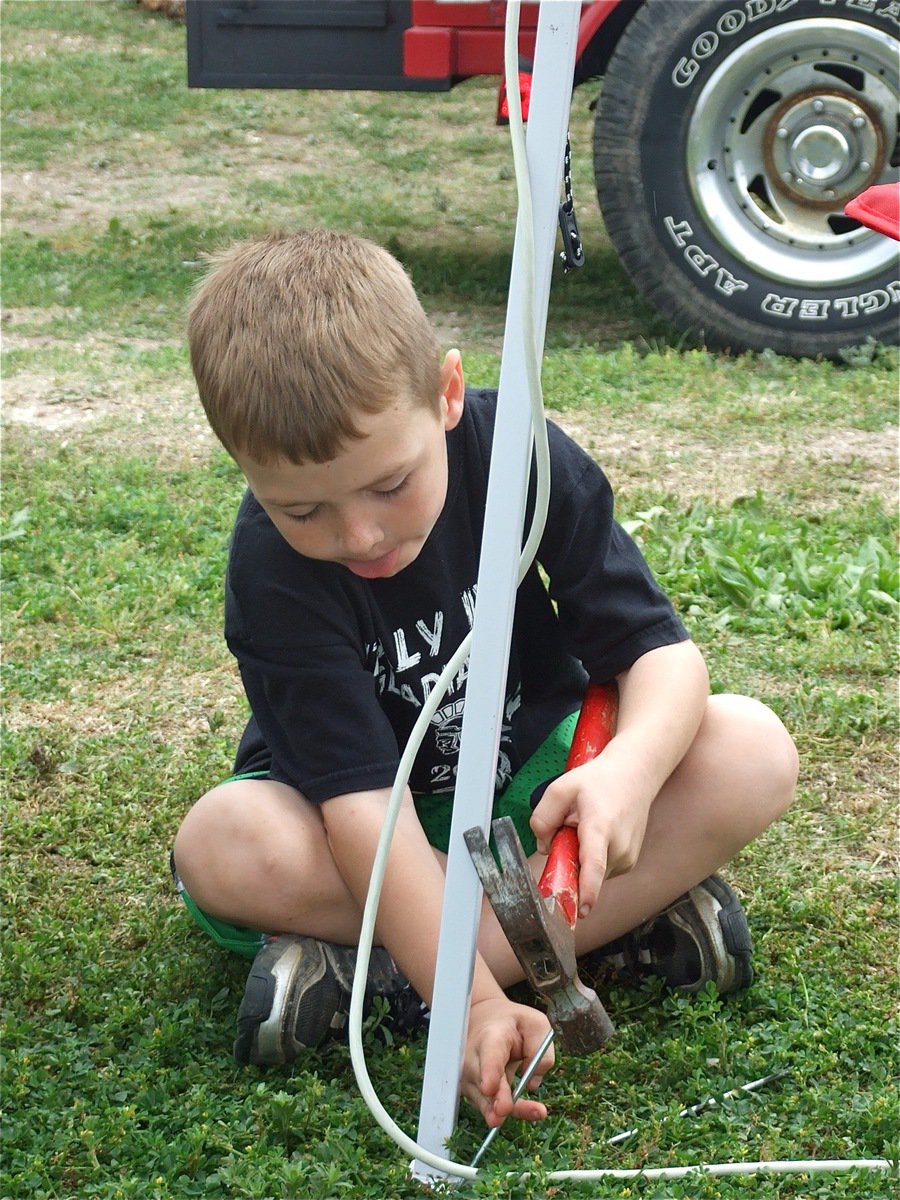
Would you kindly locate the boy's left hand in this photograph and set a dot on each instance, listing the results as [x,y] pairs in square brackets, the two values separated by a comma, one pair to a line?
[609,806]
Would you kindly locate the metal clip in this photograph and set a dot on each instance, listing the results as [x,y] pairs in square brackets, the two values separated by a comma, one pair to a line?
[572,254]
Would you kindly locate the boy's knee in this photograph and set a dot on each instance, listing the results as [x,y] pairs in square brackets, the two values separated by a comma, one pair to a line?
[218,854]
[223,826]
[198,835]
[760,750]
[254,828]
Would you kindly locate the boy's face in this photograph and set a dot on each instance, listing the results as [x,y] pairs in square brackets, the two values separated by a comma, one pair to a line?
[371,508]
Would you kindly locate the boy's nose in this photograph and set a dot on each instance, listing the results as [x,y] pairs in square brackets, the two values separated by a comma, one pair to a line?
[360,536]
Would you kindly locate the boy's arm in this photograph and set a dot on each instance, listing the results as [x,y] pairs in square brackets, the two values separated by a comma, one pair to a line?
[662,699]
[501,1034]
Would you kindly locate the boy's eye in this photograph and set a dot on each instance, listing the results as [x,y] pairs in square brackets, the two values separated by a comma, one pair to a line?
[301,517]
[397,488]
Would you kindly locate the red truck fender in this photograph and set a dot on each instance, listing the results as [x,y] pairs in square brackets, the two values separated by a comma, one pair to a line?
[460,40]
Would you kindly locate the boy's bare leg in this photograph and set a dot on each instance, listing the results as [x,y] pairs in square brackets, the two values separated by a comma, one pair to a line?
[255,852]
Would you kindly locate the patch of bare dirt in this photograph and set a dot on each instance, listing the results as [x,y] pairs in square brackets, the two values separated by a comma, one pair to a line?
[698,469]
[48,201]
[163,417]
[186,705]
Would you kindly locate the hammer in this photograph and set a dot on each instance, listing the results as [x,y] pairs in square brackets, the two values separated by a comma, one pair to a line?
[539,919]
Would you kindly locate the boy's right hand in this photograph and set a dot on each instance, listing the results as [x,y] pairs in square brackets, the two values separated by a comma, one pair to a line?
[502,1038]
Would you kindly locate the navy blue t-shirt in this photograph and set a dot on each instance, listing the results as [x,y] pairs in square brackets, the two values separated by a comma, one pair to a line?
[336,668]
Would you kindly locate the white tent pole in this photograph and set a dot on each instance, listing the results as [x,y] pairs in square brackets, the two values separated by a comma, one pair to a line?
[554,67]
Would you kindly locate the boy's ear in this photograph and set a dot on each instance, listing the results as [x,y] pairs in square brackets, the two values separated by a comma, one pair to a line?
[453,388]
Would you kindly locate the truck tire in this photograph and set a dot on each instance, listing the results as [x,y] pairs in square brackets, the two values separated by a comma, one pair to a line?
[729,136]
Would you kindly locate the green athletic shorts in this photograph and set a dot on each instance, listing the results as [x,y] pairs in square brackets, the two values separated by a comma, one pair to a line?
[434,812]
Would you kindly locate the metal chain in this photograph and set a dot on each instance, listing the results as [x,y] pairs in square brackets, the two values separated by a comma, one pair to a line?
[569,204]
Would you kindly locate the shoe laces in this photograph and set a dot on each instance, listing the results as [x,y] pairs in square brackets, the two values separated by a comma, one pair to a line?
[407,1011]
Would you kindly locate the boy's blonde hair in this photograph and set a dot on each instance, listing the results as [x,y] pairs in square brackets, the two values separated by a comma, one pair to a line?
[294,335]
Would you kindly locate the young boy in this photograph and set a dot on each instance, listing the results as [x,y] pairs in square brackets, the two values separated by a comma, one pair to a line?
[351,582]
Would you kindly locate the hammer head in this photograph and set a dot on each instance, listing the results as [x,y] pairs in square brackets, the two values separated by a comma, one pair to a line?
[542,939]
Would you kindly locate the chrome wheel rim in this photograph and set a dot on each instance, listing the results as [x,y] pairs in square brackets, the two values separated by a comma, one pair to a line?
[791,126]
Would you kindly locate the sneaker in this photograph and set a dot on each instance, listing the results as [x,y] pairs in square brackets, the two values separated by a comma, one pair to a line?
[702,936]
[298,994]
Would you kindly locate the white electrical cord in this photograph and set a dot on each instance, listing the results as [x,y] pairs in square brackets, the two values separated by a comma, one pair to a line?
[447,1166]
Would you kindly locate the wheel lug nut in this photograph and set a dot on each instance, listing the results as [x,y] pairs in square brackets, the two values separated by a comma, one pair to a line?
[818,105]
[865,166]
[782,133]
[859,122]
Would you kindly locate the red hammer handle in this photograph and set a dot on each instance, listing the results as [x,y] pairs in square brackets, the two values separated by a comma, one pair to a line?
[594,730]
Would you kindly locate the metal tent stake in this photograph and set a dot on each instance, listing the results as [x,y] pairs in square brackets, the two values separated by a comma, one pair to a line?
[554,67]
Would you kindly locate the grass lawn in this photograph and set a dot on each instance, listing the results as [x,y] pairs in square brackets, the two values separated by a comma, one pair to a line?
[763,491]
